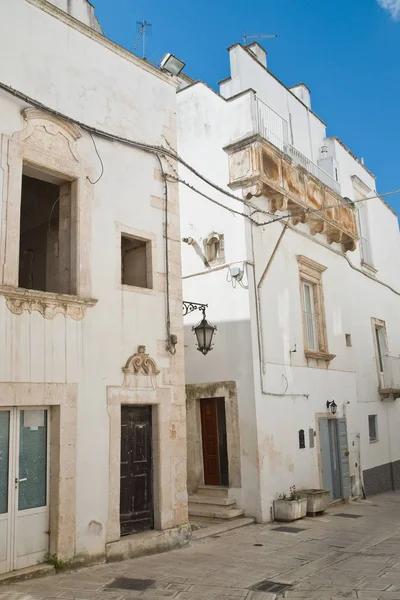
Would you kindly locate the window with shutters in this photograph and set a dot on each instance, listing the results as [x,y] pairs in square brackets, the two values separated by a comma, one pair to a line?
[313,312]
[365,237]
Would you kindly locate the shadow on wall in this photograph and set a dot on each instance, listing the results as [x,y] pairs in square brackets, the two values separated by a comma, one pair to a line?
[231,356]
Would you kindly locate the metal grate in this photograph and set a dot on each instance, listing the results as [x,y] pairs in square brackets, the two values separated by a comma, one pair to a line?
[271,586]
[285,529]
[125,583]
[348,515]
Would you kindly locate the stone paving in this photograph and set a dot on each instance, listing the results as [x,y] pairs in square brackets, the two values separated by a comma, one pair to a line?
[334,557]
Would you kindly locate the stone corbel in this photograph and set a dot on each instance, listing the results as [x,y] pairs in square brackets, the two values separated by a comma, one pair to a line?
[317,225]
[255,189]
[46,303]
[278,202]
[300,218]
[334,234]
[348,244]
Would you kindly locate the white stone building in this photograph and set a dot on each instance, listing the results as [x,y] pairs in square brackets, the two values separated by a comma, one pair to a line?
[306,307]
[92,404]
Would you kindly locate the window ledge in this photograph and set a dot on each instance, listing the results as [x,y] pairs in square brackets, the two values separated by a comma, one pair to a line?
[138,290]
[368,268]
[389,393]
[319,355]
[373,441]
[48,304]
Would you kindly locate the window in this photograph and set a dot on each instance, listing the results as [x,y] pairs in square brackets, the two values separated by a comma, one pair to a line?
[214,248]
[310,321]
[312,302]
[348,339]
[45,236]
[136,269]
[365,237]
[373,428]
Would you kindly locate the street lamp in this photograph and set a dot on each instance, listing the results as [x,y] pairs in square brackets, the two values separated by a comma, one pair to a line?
[204,331]
[332,405]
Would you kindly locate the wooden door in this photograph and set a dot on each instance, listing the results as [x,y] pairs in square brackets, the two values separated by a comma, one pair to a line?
[209,431]
[136,501]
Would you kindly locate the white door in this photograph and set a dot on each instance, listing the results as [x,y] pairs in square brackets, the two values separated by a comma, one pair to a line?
[24,487]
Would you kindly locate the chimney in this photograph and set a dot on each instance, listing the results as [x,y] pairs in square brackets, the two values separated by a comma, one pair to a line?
[259,53]
[303,93]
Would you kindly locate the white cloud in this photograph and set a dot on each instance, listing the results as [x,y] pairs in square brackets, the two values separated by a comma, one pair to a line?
[393,6]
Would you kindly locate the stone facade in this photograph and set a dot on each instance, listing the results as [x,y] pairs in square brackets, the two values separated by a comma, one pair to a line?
[87,343]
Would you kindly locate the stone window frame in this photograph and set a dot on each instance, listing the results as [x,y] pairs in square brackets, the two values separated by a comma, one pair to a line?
[375,323]
[311,272]
[46,146]
[361,190]
[219,237]
[151,251]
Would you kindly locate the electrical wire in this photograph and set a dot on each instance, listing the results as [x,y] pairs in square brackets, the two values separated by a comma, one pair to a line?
[161,150]
[101,162]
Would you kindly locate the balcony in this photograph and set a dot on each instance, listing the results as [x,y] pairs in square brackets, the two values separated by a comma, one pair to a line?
[265,164]
[389,376]
[273,128]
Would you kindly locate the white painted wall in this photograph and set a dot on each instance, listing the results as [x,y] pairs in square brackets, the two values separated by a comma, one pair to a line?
[103,87]
[270,421]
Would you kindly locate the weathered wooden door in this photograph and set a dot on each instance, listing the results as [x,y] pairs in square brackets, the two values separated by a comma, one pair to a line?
[136,502]
[209,430]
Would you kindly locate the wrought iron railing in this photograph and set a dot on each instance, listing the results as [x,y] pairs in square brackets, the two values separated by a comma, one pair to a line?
[274,128]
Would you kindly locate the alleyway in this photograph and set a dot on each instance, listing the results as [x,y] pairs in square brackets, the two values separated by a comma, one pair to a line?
[353,551]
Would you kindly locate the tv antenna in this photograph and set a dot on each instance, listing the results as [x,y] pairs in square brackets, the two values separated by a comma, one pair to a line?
[257,37]
[143,28]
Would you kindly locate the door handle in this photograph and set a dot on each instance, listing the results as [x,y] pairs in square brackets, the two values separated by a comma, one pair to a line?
[20,480]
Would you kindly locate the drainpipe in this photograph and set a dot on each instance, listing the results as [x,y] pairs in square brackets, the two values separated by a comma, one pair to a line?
[257,288]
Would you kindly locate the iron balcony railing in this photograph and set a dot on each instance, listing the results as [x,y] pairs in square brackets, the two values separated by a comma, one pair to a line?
[274,128]
[389,372]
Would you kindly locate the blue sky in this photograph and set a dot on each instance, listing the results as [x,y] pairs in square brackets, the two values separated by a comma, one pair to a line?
[346,51]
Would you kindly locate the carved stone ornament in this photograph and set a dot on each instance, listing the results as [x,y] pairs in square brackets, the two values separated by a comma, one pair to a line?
[46,303]
[53,135]
[140,363]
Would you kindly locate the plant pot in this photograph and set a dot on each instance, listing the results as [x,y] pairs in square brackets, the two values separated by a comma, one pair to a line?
[317,500]
[290,510]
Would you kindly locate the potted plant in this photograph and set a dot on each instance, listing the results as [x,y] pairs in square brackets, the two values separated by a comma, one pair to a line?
[290,507]
[317,501]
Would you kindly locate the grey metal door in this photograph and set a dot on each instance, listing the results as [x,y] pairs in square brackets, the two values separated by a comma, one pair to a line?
[325,448]
[335,458]
[344,458]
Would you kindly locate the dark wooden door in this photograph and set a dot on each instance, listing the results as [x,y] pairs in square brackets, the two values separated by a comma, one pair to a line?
[136,503]
[209,431]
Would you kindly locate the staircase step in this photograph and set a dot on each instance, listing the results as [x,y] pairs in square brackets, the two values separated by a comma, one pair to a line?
[216,500]
[214,512]
[213,490]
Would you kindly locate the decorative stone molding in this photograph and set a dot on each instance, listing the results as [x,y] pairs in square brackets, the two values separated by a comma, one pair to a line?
[48,304]
[259,168]
[140,363]
[311,272]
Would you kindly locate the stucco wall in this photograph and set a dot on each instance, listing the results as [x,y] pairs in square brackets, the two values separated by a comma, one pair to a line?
[292,393]
[68,68]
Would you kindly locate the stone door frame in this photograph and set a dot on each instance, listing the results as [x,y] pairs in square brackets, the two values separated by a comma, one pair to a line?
[61,399]
[194,393]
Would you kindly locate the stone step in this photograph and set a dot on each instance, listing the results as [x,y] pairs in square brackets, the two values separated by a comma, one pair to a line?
[216,500]
[213,490]
[214,512]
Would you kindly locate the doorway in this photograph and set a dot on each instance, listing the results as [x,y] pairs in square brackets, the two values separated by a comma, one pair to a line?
[24,487]
[214,441]
[136,476]
[335,458]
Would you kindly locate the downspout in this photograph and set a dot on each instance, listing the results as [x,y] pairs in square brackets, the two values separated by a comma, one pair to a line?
[258,312]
